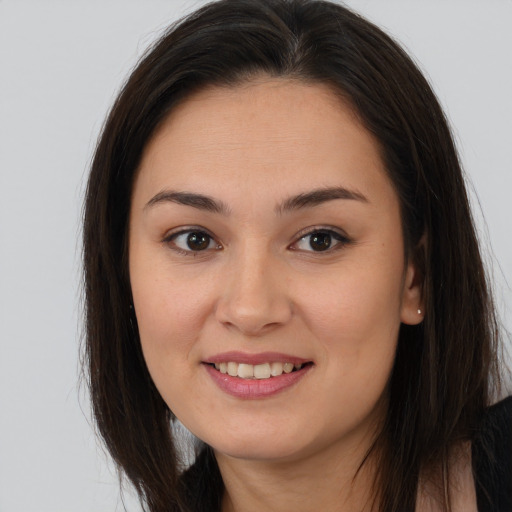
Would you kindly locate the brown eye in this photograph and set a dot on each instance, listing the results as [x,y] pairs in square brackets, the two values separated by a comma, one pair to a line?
[197,241]
[321,241]
[192,241]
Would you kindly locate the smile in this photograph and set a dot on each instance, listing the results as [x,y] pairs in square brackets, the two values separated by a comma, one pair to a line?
[256,371]
[251,377]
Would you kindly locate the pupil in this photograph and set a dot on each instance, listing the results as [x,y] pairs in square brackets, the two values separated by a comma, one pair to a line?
[320,241]
[198,241]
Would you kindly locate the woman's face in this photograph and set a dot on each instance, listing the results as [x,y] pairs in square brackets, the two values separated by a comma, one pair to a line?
[265,233]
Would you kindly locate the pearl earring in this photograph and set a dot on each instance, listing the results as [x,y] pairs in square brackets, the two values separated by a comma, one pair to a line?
[419,311]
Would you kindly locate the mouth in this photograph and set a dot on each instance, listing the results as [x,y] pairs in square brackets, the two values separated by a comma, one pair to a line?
[261,371]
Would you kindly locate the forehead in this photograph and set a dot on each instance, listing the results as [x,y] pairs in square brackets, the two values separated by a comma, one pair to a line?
[292,134]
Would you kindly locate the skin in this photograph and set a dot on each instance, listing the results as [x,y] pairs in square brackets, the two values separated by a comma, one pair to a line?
[259,286]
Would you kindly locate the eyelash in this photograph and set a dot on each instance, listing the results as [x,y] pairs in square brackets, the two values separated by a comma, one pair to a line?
[171,238]
[341,239]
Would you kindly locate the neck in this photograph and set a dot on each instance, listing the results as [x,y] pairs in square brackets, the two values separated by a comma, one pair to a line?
[329,480]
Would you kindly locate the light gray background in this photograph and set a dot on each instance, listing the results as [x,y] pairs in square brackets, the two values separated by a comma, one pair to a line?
[61,63]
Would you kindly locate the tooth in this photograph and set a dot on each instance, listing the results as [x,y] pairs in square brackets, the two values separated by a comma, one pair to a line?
[223,367]
[217,366]
[233,369]
[276,369]
[287,367]
[262,371]
[246,371]
[297,366]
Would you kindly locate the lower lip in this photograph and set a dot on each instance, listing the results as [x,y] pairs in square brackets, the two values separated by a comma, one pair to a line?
[255,388]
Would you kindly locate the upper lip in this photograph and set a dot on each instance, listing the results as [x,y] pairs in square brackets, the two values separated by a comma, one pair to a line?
[254,359]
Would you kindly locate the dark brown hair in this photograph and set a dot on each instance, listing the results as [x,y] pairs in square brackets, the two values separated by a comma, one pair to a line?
[441,381]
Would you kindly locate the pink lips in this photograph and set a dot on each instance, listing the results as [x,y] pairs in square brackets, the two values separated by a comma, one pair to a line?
[255,388]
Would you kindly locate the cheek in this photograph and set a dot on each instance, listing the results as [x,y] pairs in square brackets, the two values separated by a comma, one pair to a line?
[355,318]
[356,323]
[354,301]
[170,311]
[168,314]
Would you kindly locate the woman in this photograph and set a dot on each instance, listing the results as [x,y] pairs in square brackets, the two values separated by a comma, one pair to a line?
[279,253]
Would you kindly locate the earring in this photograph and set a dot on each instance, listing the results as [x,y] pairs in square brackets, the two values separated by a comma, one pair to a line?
[419,311]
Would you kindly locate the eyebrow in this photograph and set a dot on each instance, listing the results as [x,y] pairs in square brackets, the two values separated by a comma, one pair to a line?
[297,202]
[317,197]
[199,201]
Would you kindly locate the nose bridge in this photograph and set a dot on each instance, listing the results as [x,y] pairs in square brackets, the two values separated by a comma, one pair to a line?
[255,298]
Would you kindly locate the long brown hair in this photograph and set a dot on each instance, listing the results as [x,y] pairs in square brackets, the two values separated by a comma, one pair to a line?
[444,368]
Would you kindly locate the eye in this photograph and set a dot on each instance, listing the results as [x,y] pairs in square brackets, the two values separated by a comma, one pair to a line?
[321,240]
[191,241]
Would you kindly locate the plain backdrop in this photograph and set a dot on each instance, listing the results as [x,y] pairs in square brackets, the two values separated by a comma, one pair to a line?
[61,63]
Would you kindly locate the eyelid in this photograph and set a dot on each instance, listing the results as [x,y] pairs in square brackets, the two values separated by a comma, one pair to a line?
[172,234]
[185,229]
[342,238]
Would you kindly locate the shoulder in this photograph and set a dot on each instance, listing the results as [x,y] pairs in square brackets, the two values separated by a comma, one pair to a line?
[492,459]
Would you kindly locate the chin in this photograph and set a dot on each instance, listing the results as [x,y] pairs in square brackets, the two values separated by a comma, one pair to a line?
[259,452]
[261,446]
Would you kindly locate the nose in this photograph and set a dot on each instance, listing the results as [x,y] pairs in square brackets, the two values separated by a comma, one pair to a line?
[254,299]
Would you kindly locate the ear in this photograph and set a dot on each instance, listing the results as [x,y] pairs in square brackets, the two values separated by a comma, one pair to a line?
[412,309]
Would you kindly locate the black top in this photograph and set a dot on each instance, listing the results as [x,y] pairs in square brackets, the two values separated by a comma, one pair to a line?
[492,459]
